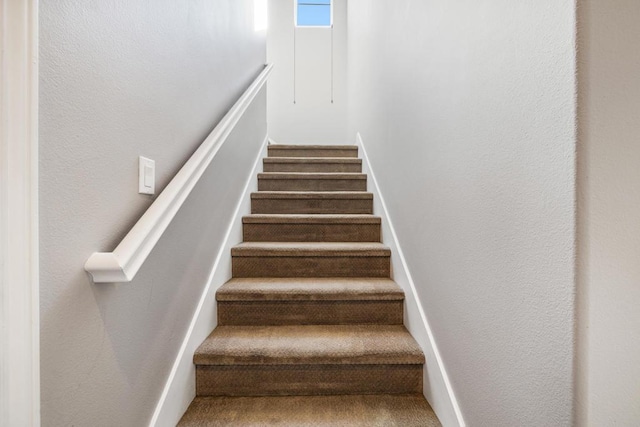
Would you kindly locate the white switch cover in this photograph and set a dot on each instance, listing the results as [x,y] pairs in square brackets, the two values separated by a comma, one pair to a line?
[146,176]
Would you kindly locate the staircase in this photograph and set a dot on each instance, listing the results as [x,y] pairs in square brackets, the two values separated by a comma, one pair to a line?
[310,328]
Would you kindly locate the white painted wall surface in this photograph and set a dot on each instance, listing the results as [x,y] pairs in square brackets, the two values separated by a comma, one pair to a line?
[313,119]
[608,369]
[121,79]
[436,382]
[467,112]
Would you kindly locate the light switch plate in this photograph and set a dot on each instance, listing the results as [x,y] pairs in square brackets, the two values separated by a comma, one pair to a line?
[146,176]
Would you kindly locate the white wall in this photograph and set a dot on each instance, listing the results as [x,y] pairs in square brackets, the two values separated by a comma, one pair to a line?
[467,112]
[608,369]
[313,118]
[121,79]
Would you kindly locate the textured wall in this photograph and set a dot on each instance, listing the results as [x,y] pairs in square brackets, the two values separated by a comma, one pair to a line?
[608,371]
[467,111]
[121,79]
[313,118]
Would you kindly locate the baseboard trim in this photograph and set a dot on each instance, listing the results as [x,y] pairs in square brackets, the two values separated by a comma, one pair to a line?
[180,387]
[437,386]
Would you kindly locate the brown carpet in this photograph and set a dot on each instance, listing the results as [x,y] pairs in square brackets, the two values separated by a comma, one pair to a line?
[308,411]
[310,326]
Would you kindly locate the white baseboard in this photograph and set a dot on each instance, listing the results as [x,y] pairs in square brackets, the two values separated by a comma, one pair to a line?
[180,387]
[437,387]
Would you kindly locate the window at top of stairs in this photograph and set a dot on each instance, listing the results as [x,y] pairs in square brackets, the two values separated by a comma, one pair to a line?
[314,13]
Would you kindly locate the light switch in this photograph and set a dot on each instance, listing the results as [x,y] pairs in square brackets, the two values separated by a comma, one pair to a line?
[146,176]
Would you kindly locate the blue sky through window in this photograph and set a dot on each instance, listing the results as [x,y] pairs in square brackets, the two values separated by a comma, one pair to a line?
[314,13]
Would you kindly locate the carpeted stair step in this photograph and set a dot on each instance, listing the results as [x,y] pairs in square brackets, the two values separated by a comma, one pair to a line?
[280,150]
[310,326]
[310,301]
[312,164]
[294,181]
[308,360]
[311,228]
[307,411]
[297,202]
[304,259]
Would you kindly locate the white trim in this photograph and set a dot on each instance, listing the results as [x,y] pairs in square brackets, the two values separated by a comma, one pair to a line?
[123,263]
[179,389]
[437,386]
[19,306]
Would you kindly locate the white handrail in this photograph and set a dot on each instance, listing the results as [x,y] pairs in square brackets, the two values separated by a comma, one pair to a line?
[123,263]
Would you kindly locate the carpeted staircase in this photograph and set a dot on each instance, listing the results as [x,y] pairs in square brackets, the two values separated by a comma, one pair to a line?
[310,328]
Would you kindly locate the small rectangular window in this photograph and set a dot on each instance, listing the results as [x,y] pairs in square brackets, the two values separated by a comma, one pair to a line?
[313,13]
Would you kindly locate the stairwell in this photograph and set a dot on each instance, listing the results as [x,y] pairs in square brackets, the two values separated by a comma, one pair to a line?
[310,328]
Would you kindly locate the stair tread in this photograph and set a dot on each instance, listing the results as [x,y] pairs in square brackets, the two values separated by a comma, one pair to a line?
[312,160]
[312,195]
[313,147]
[307,411]
[312,175]
[309,344]
[310,289]
[311,219]
[310,326]
[301,249]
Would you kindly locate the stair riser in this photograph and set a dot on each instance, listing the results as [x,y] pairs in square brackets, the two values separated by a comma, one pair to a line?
[237,313]
[292,380]
[312,152]
[312,206]
[303,319]
[312,184]
[313,167]
[303,266]
[311,232]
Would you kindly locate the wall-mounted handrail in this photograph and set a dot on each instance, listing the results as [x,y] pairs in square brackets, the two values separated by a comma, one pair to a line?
[123,263]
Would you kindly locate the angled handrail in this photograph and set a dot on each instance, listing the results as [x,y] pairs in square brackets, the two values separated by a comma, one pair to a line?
[123,263]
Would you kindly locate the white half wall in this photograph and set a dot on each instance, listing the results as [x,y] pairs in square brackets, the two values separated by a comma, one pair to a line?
[467,110]
[608,364]
[306,77]
[120,79]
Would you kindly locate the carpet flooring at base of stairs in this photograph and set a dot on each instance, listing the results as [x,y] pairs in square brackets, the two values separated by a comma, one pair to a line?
[317,411]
